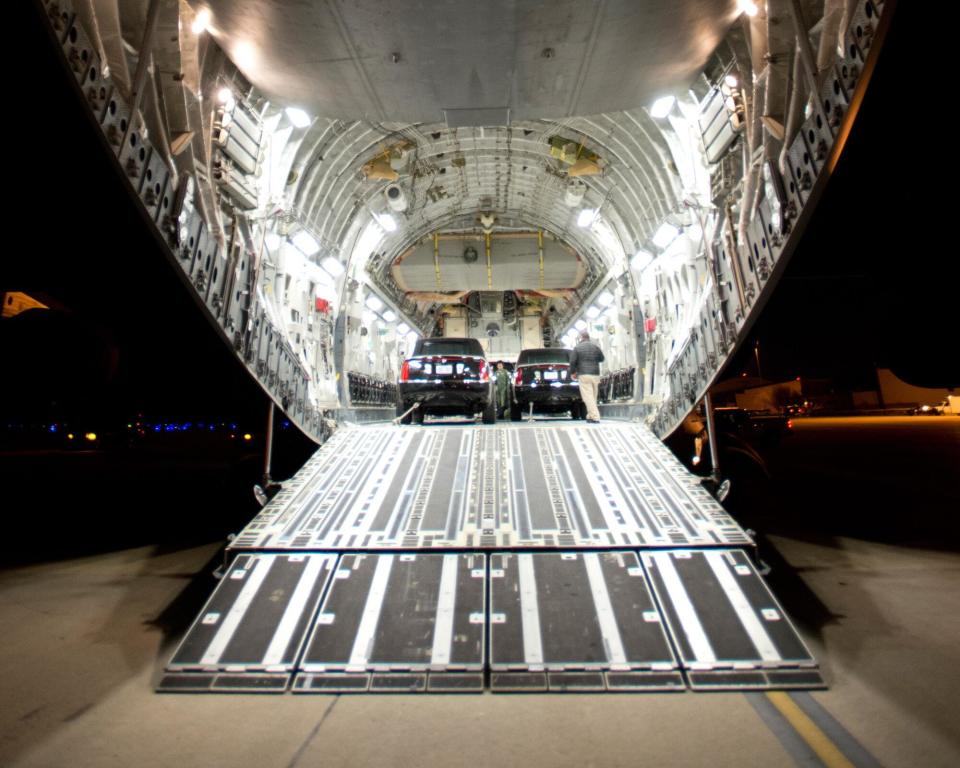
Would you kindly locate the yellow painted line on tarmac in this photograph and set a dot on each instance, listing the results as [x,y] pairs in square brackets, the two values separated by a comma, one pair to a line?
[816,739]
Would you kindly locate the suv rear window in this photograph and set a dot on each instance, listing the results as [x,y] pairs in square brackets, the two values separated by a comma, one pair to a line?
[449,346]
[543,356]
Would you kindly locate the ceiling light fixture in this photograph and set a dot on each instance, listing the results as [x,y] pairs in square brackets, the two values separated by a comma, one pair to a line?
[641,260]
[332,265]
[387,221]
[298,117]
[305,243]
[665,235]
[586,217]
[662,106]
[201,22]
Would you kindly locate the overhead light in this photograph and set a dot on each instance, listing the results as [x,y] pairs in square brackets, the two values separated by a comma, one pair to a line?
[244,56]
[332,265]
[662,106]
[305,243]
[368,317]
[580,325]
[605,299]
[641,260]
[201,22]
[225,96]
[665,235]
[586,217]
[731,81]
[374,303]
[593,312]
[298,117]
[389,315]
[387,221]
[273,241]
[403,329]
[748,7]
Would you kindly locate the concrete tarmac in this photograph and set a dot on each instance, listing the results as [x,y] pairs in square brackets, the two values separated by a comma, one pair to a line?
[84,642]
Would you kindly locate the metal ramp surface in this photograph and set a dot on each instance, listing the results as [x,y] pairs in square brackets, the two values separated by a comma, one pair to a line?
[506,486]
[418,611]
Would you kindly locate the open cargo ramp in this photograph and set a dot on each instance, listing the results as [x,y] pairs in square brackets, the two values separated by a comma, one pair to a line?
[530,557]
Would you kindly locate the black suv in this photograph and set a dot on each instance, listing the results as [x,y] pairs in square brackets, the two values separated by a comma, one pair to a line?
[446,376]
[542,377]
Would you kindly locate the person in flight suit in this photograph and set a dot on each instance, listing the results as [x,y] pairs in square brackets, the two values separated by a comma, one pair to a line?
[503,390]
[585,366]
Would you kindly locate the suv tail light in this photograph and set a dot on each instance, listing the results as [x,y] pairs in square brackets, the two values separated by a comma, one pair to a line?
[405,371]
[518,377]
[484,371]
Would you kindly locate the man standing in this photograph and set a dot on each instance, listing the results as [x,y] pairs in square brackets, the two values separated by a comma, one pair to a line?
[585,365]
[503,390]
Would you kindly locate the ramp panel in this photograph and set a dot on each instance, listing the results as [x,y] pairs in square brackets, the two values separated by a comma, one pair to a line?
[396,618]
[559,621]
[728,629]
[258,616]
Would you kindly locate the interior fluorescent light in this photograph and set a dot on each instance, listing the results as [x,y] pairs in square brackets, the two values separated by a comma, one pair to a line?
[307,245]
[641,260]
[731,81]
[225,96]
[389,315]
[592,312]
[298,117]
[605,299]
[665,235]
[580,325]
[332,265]
[748,7]
[374,303]
[201,22]
[662,106]
[586,217]
[403,329]
[387,221]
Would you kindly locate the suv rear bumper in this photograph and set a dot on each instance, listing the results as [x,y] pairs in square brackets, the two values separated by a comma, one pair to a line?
[446,394]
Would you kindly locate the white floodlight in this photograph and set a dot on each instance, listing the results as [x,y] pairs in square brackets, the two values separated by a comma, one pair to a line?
[665,235]
[592,312]
[373,303]
[580,325]
[390,316]
[298,117]
[641,260]
[586,217]
[662,106]
[387,221]
[201,22]
[605,299]
[332,265]
[748,7]
[305,243]
[403,329]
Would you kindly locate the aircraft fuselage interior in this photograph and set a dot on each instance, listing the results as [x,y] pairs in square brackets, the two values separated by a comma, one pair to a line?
[337,180]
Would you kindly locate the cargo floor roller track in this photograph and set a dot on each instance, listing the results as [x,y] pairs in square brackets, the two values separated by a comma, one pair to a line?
[533,557]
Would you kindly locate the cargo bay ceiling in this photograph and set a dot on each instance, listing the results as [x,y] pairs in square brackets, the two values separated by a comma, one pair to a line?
[333,177]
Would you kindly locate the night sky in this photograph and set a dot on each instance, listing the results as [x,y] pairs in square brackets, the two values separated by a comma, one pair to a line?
[870,283]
